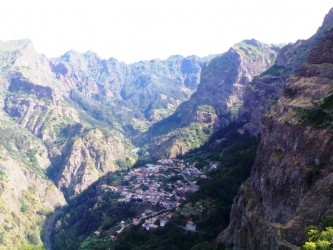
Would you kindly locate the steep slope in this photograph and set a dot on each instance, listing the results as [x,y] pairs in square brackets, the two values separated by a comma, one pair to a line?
[136,94]
[216,101]
[291,182]
[88,157]
[76,102]
[209,207]
[27,196]
[68,119]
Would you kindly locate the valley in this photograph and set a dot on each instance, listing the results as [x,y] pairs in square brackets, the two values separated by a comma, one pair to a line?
[157,189]
[226,151]
[191,189]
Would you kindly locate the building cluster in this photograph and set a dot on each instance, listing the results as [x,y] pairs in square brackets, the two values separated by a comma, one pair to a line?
[164,183]
[155,221]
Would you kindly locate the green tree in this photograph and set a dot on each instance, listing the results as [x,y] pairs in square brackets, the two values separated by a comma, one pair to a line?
[318,240]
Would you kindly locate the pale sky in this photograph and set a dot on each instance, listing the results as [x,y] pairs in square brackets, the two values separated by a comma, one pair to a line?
[133,30]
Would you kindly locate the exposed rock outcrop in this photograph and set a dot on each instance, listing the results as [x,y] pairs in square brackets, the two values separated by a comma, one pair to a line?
[89,157]
[290,186]
[216,101]
[59,100]
[148,90]
[79,108]
[27,196]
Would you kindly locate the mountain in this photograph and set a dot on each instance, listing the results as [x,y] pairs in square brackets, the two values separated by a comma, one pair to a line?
[67,121]
[83,107]
[279,145]
[256,114]
[136,94]
[222,83]
[216,101]
[27,195]
[290,185]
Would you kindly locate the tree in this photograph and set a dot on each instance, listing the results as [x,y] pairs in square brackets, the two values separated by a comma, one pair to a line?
[318,240]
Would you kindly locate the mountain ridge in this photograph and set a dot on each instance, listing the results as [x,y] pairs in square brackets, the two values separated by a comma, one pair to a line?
[216,101]
[293,151]
[56,104]
[89,115]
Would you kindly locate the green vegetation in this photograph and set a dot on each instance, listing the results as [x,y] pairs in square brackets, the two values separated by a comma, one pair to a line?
[206,108]
[2,175]
[100,111]
[319,238]
[171,237]
[164,126]
[224,65]
[321,115]
[173,135]
[210,206]
[97,210]
[251,48]
[195,135]
[234,166]
[21,146]
[21,229]
[189,137]
[93,210]
[275,70]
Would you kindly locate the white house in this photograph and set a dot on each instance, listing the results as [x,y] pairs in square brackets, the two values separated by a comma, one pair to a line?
[190,226]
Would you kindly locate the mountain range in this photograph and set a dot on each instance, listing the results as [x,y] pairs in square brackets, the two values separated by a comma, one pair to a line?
[260,113]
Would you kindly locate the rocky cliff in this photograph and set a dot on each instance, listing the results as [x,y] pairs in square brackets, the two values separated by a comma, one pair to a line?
[67,121]
[27,196]
[215,103]
[136,94]
[291,182]
[90,156]
[62,100]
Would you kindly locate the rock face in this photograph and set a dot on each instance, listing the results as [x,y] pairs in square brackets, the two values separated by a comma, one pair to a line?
[217,100]
[89,157]
[26,194]
[79,114]
[137,94]
[62,100]
[290,186]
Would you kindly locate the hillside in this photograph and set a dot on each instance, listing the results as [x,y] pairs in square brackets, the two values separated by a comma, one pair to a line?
[99,209]
[290,185]
[280,139]
[238,145]
[250,58]
[27,196]
[68,121]
[215,103]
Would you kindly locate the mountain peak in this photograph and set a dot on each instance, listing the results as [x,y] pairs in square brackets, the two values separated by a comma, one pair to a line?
[328,20]
[91,54]
[252,42]
[70,54]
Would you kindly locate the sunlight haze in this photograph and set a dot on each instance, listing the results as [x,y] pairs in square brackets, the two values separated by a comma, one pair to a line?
[141,30]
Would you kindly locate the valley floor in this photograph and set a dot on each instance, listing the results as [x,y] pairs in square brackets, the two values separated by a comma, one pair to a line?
[164,185]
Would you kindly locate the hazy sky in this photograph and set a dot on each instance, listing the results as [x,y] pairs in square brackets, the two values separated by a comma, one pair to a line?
[132,30]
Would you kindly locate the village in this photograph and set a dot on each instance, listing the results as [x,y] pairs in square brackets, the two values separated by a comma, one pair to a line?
[164,185]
